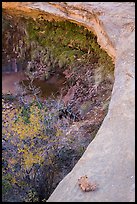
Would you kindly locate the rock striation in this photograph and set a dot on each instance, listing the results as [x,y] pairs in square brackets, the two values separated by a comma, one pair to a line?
[109,160]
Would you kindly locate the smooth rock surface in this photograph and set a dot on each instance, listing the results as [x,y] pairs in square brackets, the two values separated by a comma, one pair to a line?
[110,158]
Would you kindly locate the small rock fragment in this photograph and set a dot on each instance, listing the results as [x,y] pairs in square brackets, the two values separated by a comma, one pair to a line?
[85,185]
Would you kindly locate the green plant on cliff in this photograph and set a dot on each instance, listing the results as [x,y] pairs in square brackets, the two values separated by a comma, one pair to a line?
[31,196]
[34,138]
[6,182]
[61,44]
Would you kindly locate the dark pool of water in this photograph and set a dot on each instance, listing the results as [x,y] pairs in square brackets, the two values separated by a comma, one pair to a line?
[48,88]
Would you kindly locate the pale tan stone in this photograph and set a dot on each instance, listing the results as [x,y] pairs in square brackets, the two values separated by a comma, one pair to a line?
[110,158]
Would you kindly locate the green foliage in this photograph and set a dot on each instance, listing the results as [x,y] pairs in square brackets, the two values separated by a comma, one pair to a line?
[25,114]
[32,196]
[52,44]
[6,182]
[64,39]
[9,97]
[34,138]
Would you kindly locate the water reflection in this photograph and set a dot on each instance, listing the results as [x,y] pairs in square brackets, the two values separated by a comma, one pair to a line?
[10,81]
[13,65]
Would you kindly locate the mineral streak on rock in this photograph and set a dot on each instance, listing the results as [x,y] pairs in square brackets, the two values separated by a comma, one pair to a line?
[110,158]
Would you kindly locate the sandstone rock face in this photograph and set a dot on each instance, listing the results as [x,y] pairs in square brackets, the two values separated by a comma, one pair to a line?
[110,158]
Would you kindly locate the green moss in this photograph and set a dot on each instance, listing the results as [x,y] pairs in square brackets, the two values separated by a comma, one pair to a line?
[6,182]
[65,41]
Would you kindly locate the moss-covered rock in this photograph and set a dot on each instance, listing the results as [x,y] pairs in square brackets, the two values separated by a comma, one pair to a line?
[50,46]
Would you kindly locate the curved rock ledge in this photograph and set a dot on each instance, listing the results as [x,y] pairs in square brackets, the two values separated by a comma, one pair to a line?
[110,158]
